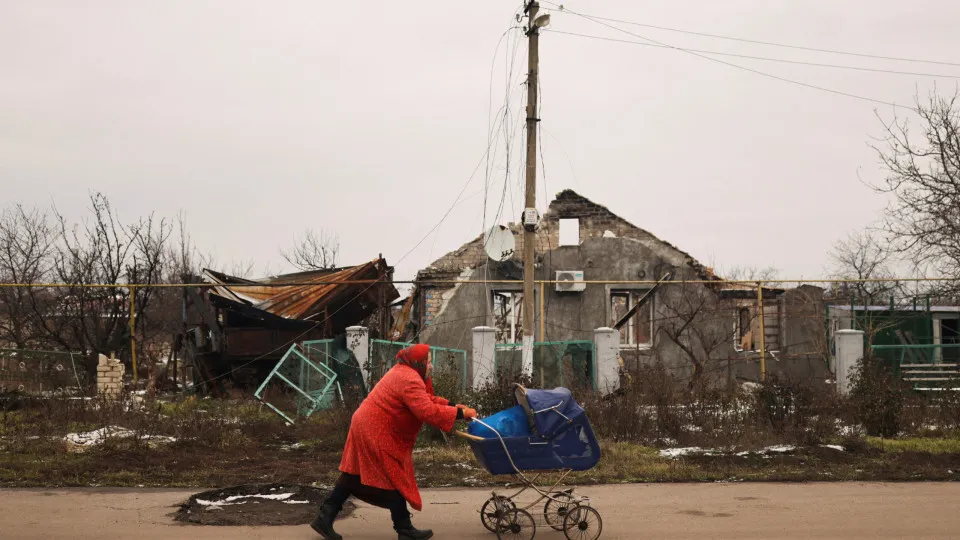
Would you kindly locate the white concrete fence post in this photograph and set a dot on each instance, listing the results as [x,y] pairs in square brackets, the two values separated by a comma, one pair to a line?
[484,363]
[849,345]
[358,342]
[606,343]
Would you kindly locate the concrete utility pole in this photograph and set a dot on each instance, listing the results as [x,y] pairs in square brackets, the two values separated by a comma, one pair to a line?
[530,217]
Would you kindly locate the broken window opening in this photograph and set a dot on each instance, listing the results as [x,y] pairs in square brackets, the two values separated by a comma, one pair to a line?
[639,328]
[508,316]
[570,232]
[746,331]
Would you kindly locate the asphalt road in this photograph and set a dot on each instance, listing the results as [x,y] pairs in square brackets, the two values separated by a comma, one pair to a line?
[666,511]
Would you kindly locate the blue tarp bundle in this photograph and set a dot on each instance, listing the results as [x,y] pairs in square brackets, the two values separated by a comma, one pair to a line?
[511,422]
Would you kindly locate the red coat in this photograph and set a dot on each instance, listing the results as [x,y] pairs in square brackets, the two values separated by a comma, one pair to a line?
[384,430]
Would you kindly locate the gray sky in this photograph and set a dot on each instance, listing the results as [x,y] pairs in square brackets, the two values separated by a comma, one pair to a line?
[261,119]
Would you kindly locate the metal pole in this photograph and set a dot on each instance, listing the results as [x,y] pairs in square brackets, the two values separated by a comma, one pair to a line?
[763,332]
[133,333]
[530,212]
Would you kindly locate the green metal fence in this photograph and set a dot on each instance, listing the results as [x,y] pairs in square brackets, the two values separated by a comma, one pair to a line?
[926,367]
[42,372]
[450,362]
[555,363]
[302,382]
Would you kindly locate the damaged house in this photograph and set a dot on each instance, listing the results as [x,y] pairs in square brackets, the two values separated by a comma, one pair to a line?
[594,270]
[244,326]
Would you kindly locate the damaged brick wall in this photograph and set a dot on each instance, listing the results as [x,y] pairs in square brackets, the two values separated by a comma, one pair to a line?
[594,221]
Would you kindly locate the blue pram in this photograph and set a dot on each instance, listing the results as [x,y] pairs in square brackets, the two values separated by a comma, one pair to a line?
[548,431]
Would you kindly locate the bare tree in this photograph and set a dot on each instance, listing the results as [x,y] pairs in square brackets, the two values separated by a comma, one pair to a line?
[690,317]
[103,251]
[26,243]
[315,251]
[751,273]
[867,263]
[923,178]
[863,257]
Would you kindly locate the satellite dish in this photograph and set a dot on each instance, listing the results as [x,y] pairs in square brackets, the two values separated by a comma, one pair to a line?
[499,243]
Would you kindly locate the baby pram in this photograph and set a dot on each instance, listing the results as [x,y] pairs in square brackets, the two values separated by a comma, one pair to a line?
[552,436]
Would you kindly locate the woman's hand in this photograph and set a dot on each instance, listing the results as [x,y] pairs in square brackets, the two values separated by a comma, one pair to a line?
[468,413]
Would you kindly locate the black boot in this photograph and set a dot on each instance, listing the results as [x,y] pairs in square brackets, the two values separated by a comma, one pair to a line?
[405,529]
[323,523]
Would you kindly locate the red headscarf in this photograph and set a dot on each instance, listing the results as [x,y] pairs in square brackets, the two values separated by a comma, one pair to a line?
[415,356]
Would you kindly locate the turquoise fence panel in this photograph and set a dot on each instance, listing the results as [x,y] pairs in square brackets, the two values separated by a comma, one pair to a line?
[299,385]
[450,363]
[446,362]
[508,362]
[561,363]
[43,372]
[924,366]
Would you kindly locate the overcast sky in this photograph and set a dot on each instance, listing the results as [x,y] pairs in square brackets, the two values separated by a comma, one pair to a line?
[261,119]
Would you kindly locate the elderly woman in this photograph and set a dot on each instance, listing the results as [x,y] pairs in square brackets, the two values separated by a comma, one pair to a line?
[377,462]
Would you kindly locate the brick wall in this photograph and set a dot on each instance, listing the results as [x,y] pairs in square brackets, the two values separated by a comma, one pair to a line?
[594,221]
[109,377]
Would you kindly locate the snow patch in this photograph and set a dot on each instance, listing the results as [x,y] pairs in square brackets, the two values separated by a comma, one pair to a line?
[688,451]
[93,438]
[243,499]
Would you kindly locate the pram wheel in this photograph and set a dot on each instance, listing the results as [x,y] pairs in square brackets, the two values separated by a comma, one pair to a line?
[516,524]
[582,523]
[558,506]
[493,511]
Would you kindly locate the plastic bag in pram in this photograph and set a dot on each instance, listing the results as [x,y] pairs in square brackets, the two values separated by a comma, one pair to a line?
[511,422]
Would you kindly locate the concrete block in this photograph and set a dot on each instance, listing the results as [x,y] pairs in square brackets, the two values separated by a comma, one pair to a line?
[484,345]
[849,351]
[607,360]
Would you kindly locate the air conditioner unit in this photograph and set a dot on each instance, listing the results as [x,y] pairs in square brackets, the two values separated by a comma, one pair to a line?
[570,281]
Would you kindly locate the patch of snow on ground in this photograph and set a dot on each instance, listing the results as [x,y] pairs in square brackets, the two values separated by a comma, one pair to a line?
[97,436]
[688,451]
[243,499]
[832,447]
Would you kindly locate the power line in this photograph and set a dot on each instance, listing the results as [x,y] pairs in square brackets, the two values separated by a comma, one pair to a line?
[453,205]
[561,9]
[763,58]
[743,68]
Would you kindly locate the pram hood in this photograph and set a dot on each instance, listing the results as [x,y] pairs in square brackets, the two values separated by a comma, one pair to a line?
[552,411]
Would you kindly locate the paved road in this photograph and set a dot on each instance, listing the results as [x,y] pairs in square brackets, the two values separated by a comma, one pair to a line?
[672,511]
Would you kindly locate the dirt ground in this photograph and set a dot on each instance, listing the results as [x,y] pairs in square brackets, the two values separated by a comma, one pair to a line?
[662,511]
[257,504]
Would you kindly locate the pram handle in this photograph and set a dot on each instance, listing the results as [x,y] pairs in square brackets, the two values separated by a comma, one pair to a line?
[467,436]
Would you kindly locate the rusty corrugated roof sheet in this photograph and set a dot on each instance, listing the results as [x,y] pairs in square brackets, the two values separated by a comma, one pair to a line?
[302,299]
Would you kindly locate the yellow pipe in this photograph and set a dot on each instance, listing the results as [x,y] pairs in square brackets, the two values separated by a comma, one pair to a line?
[471,281]
[763,334]
[133,333]
[543,320]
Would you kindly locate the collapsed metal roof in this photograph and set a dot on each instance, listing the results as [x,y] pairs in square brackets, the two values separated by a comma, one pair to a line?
[308,294]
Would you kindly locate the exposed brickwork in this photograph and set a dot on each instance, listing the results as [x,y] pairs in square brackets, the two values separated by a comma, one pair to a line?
[109,377]
[595,220]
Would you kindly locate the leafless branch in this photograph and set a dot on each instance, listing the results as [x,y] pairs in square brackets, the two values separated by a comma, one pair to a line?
[315,251]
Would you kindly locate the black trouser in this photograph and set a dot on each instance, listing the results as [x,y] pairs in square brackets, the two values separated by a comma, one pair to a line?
[349,485]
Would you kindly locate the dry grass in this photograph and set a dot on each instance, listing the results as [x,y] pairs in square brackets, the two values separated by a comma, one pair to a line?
[220,443]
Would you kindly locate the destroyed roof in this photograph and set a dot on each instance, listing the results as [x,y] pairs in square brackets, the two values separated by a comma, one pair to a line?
[567,204]
[308,293]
